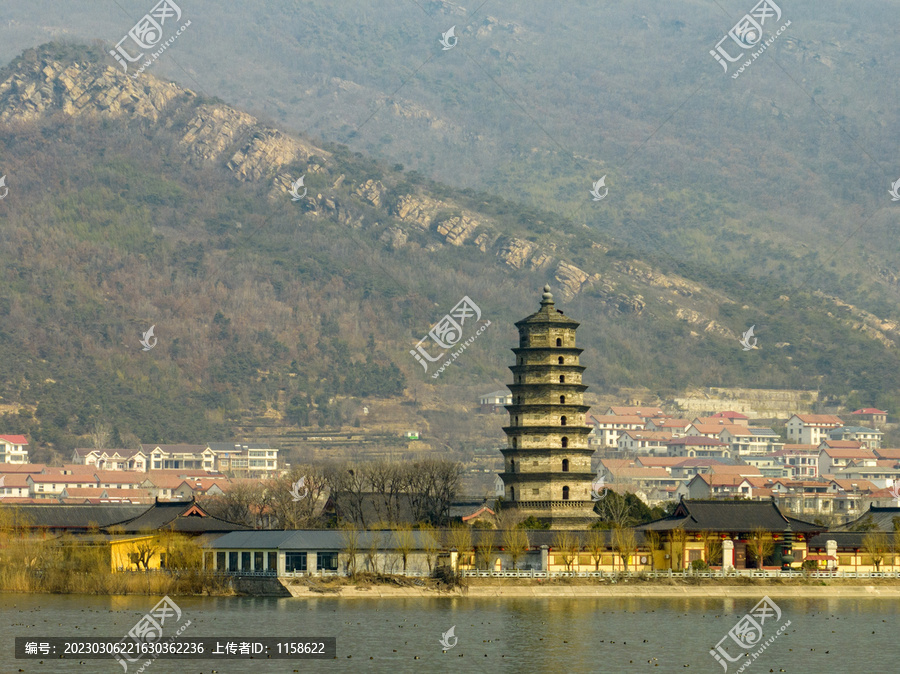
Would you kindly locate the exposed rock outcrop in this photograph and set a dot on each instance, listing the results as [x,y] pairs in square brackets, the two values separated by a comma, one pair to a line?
[515,252]
[371,191]
[457,229]
[570,278]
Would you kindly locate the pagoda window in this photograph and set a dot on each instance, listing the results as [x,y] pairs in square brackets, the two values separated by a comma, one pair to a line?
[565,442]
[512,465]
[565,465]
[515,443]
[517,421]
[558,342]
[560,360]
[562,400]
[562,379]
[565,493]
[562,420]
[512,493]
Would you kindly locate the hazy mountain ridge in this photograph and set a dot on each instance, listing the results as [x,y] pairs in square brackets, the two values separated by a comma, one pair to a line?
[164,208]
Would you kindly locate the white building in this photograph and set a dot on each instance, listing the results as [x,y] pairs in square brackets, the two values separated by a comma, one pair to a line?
[12,449]
[811,429]
[609,427]
[867,437]
[112,459]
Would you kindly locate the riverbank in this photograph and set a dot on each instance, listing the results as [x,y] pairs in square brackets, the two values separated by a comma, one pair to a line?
[801,588]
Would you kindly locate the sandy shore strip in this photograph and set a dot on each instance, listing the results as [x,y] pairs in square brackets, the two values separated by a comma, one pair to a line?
[620,590]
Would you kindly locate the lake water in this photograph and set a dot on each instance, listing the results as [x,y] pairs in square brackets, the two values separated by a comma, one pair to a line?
[509,635]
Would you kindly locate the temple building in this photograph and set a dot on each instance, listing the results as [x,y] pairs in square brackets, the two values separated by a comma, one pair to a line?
[547,462]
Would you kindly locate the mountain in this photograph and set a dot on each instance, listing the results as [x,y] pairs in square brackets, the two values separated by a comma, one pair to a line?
[136,202]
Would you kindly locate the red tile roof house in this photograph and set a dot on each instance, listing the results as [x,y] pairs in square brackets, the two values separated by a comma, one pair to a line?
[698,446]
[12,449]
[803,460]
[51,486]
[833,459]
[609,427]
[14,485]
[871,415]
[644,442]
[643,412]
[811,429]
[733,417]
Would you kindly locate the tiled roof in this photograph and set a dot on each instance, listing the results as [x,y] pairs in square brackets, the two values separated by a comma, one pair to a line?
[819,419]
[174,449]
[183,516]
[697,441]
[82,478]
[615,419]
[886,453]
[733,516]
[22,467]
[120,476]
[14,439]
[882,517]
[730,415]
[841,453]
[648,435]
[58,516]
[869,410]
[639,411]
[790,450]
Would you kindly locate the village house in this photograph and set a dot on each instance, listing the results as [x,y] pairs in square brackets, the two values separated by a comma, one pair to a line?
[180,457]
[494,403]
[112,459]
[640,411]
[811,429]
[245,460]
[770,466]
[51,486]
[698,446]
[678,427]
[731,417]
[609,428]
[13,449]
[802,460]
[870,438]
[836,454]
[870,415]
[750,441]
[644,442]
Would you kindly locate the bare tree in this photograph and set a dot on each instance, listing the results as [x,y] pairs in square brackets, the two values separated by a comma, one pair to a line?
[712,547]
[372,551]
[100,435]
[759,546]
[430,544]
[566,545]
[294,500]
[677,546]
[596,545]
[654,543]
[485,548]
[515,541]
[144,553]
[350,536]
[615,511]
[625,543]
[405,542]
[461,539]
[876,546]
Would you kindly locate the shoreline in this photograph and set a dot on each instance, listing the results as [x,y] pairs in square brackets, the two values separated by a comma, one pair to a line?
[593,592]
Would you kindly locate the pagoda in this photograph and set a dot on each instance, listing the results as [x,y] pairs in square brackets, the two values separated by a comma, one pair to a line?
[547,462]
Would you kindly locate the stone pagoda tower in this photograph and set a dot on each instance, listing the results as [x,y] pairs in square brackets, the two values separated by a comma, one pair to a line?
[547,462]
